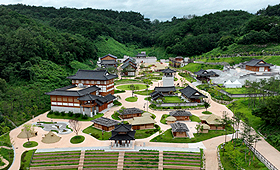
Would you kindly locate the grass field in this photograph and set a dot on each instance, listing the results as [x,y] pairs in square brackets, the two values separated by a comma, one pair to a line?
[131,99]
[126,86]
[26,158]
[77,139]
[194,67]
[30,144]
[235,90]
[97,133]
[168,137]
[187,77]
[80,118]
[144,92]
[173,99]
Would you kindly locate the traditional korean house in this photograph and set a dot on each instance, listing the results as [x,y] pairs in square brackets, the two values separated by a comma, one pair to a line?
[143,122]
[141,55]
[91,92]
[192,95]
[214,121]
[122,135]
[104,123]
[181,115]
[257,65]
[178,61]
[168,77]
[108,60]
[130,113]
[179,129]
[204,75]
[170,119]
[129,67]
[166,91]
[156,96]
[101,78]
[204,128]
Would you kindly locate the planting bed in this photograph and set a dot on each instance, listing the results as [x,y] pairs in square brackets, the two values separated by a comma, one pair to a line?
[100,160]
[141,160]
[181,160]
[55,159]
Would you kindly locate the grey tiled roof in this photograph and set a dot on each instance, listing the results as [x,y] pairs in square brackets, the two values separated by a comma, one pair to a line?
[165,89]
[105,121]
[257,62]
[92,75]
[180,113]
[109,55]
[141,55]
[64,91]
[168,70]
[127,64]
[179,127]
[156,94]
[190,92]
[128,111]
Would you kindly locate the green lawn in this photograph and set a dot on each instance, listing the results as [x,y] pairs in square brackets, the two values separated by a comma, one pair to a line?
[141,134]
[163,117]
[207,112]
[173,99]
[229,161]
[97,133]
[131,99]
[80,118]
[153,106]
[30,144]
[5,140]
[194,67]
[126,81]
[119,91]
[77,139]
[26,158]
[126,86]
[187,77]
[214,92]
[168,137]
[235,90]
[195,118]
[143,92]
[242,106]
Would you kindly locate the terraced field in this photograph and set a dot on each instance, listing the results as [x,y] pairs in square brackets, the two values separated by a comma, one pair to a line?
[55,160]
[95,159]
[141,160]
[181,160]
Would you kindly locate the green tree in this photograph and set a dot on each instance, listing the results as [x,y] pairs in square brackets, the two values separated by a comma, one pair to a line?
[132,88]
[28,129]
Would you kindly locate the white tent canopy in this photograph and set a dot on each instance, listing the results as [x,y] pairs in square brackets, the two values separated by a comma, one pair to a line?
[235,84]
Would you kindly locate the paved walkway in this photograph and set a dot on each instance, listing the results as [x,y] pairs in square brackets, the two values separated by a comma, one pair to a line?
[209,145]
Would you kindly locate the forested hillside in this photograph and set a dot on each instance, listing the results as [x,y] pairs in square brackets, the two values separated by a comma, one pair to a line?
[40,46]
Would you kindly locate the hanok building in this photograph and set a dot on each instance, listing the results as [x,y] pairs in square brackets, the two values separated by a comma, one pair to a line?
[91,92]
[204,75]
[214,121]
[179,129]
[192,95]
[166,91]
[170,119]
[122,135]
[168,77]
[143,122]
[156,96]
[108,60]
[104,123]
[204,128]
[178,61]
[130,113]
[129,67]
[257,65]
[181,115]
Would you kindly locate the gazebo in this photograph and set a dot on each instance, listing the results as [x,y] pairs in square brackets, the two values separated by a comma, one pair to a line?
[122,135]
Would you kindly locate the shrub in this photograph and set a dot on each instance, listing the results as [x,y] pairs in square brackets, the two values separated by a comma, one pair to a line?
[157,127]
[85,116]
[77,115]
[62,113]
[117,103]
[70,114]
[57,113]
[95,135]
[51,112]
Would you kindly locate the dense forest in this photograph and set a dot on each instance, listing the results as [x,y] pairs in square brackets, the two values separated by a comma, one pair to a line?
[40,46]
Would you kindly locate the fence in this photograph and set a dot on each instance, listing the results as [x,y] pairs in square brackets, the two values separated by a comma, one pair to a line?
[261,157]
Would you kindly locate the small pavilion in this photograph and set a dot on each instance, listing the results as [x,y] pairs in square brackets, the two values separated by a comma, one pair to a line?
[122,135]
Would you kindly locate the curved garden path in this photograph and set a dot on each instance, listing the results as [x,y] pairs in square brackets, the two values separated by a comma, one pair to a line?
[210,144]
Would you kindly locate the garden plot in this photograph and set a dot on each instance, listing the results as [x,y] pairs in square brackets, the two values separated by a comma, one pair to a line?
[100,160]
[181,160]
[59,160]
[141,160]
